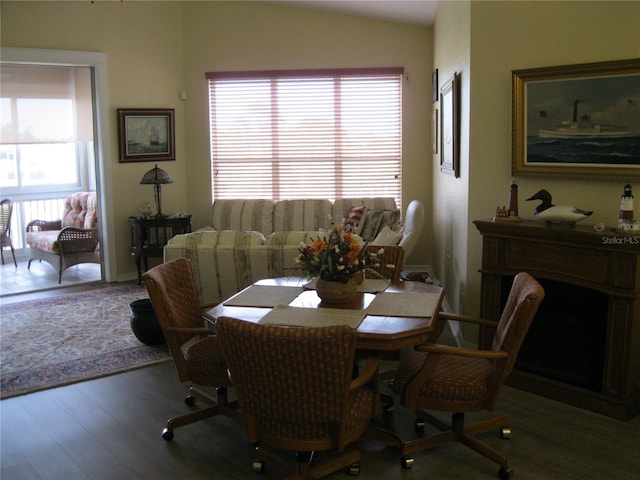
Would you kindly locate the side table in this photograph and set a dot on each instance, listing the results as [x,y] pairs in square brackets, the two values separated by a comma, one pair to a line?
[150,235]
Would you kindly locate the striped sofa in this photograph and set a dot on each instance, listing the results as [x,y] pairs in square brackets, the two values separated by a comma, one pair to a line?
[252,239]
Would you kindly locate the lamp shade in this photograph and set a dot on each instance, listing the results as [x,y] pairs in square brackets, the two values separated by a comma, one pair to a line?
[156,176]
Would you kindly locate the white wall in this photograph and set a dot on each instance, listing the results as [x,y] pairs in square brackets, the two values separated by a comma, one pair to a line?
[452,50]
[503,36]
[156,49]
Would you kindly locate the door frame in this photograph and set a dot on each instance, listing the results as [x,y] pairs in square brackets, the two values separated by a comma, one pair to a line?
[97,61]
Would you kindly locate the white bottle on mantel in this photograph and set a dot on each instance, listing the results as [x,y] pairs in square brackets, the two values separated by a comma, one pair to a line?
[626,209]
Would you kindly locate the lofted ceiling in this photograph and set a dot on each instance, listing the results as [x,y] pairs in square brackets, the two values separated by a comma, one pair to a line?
[416,12]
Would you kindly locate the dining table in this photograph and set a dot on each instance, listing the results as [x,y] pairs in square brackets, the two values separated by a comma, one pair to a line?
[387,316]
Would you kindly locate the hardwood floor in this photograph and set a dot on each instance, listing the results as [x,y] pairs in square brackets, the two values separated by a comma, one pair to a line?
[109,428]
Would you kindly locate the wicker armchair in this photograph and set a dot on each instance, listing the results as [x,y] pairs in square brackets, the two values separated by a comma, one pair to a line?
[458,380]
[69,241]
[194,347]
[6,210]
[296,392]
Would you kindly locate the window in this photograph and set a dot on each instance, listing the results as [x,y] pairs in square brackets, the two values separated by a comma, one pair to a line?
[306,134]
[46,128]
[46,139]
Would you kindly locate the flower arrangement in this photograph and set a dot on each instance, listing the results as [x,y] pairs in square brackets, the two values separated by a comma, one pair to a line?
[335,255]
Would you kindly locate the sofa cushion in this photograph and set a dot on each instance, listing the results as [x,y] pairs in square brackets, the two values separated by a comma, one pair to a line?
[387,237]
[45,240]
[302,215]
[80,210]
[342,206]
[214,238]
[290,238]
[222,270]
[243,214]
[391,219]
[371,225]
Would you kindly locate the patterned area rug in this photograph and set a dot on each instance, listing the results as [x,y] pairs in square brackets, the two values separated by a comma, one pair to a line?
[69,338]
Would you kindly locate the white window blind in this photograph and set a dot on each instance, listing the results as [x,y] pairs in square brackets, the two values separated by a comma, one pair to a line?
[45,104]
[306,134]
[46,129]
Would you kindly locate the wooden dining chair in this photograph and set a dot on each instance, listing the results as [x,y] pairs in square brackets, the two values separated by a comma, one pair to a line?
[195,348]
[444,378]
[389,261]
[296,392]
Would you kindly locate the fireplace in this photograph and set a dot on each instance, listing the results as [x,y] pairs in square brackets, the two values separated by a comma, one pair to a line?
[583,347]
[566,341]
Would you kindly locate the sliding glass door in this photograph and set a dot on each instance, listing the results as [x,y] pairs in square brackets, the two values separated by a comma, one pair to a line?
[54,136]
[46,140]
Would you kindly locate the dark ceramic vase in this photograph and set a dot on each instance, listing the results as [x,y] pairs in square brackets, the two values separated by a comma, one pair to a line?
[144,322]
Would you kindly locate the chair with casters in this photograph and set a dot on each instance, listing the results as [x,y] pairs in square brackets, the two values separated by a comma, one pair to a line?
[195,348]
[443,378]
[6,210]
[296,393]
[389,261]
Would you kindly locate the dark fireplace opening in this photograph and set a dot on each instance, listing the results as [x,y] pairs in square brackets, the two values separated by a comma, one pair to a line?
[566,340]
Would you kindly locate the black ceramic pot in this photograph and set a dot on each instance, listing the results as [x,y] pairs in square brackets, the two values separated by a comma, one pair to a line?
[144,322]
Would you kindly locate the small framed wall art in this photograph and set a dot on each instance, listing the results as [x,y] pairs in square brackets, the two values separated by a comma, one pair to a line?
[450,126]
[434,131]
[434,85]
[146,135]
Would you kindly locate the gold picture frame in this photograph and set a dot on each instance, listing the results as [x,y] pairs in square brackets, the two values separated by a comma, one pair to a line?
[577,121]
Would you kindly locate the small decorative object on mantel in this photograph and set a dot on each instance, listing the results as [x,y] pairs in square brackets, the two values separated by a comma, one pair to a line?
[626,222]
[513,200]
[557,214]
[509,214]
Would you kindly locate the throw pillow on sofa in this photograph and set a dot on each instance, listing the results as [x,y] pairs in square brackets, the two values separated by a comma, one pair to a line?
[354,220]
[376,220]
[387,237]
[371,225]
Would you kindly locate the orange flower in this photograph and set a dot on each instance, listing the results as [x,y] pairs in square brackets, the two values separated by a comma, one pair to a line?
[318,246]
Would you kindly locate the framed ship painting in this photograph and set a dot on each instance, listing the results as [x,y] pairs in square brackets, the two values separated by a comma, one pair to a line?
[577,121]
[146,135]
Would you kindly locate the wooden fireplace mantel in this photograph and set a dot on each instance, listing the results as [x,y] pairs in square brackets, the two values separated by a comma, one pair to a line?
[606,262]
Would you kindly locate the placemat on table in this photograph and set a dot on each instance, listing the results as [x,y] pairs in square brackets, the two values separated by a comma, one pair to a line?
[312,317]
[404,304]
[264,296]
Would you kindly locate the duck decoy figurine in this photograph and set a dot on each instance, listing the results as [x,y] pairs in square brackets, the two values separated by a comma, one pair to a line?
[556,213]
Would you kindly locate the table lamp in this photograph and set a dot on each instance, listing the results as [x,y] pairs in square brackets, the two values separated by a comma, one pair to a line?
[156,176]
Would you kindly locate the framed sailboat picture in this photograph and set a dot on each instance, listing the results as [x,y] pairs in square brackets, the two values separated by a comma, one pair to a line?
[577,121]
[146,135]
